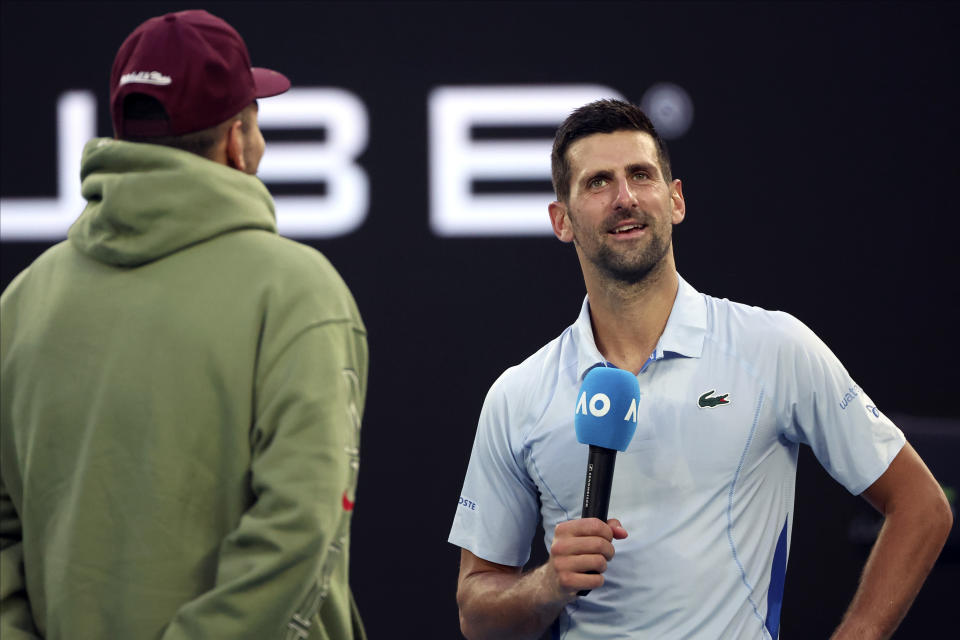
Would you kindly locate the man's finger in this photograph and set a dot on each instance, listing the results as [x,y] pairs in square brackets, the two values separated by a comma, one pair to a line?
[580,545]
[619,533]
[585,527]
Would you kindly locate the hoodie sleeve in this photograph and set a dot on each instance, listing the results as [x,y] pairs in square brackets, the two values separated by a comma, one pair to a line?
[275,569]
[16,620]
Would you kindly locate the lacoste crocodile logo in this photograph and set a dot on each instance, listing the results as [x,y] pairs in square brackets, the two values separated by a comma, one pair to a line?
[706,402]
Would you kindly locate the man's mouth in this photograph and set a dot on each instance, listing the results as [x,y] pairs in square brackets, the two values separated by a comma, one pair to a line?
[628,227]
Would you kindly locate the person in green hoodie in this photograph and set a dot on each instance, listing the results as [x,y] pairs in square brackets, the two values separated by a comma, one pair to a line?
[182,388]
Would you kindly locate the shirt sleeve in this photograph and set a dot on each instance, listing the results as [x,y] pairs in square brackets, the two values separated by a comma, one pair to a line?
[273,567]
[498,509]
[821,406]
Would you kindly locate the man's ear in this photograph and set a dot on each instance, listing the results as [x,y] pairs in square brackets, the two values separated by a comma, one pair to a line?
[234,148]
[679,205]
[560,221]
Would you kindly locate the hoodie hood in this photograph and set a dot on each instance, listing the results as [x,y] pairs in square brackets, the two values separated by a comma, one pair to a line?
[146,201]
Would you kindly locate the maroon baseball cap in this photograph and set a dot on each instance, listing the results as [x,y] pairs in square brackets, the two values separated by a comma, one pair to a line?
[196,65]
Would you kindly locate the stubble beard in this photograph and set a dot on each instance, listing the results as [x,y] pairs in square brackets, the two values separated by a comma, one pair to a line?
[630,266]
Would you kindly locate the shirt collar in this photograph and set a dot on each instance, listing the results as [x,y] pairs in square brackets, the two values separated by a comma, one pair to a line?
[683,335]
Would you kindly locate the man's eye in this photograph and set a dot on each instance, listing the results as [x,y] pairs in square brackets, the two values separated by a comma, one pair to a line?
[641,175]
[596,183]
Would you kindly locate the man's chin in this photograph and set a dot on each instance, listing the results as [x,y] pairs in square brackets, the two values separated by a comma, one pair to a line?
[628,276]
[634,271]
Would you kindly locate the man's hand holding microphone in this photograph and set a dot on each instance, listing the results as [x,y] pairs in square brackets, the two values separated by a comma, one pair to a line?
[605,419]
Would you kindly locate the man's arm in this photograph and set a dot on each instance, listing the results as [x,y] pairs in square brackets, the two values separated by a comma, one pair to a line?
[16,619]
[270,568]
[917,522]
[498,601]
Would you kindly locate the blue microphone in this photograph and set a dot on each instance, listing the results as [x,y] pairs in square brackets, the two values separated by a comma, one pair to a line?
[605,419]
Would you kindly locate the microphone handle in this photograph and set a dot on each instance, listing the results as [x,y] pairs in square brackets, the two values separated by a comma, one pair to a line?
[598,483]
[597,486]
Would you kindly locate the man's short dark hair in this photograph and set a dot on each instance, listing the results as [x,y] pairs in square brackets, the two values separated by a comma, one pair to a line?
[601,116]
[141,107]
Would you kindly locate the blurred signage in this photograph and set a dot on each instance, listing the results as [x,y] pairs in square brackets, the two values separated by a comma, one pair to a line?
[488,173]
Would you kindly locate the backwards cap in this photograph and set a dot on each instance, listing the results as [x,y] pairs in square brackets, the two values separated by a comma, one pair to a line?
[197,67]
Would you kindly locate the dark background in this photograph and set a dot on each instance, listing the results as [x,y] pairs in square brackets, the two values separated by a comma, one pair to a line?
[818,175]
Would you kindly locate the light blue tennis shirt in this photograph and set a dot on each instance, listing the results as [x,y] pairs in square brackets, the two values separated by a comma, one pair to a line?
[705,489]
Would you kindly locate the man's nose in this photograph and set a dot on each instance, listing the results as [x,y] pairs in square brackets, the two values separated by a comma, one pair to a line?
[626,198]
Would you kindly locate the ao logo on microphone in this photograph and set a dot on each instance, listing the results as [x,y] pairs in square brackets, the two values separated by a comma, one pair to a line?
[599,406]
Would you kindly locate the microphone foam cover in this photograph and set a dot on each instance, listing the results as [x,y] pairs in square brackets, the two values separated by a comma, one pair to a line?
[606,411]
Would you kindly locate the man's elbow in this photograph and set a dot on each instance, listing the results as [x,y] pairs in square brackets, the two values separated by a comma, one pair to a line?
[930,513]
[942,518]
[474,621]
[466,628]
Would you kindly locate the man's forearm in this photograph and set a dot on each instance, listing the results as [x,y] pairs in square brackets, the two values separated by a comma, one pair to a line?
[498,602]
[901,558]
[507,607]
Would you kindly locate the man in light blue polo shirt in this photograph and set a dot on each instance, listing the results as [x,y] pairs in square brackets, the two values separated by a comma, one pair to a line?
[706,487]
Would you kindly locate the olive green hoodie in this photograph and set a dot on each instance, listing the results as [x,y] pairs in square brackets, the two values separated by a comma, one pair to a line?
[181,399]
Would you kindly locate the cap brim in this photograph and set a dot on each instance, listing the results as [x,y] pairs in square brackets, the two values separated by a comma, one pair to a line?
[268,82]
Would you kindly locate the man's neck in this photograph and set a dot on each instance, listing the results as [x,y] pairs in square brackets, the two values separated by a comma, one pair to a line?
[628,319]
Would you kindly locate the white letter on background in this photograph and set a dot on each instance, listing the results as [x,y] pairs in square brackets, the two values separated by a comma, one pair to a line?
[455,160]
[344,207]
[49,218]
[340,211]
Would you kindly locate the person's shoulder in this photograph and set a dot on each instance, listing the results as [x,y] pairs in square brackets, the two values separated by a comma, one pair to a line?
[285,256]
[738,321]
[296,274]
[529,384]
[44,262]
[755,334]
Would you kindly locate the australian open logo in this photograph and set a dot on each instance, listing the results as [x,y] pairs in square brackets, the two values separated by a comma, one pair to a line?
[599,405]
